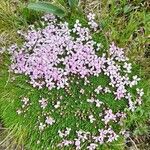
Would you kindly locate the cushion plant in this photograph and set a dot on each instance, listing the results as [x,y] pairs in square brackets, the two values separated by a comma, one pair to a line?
[74,90]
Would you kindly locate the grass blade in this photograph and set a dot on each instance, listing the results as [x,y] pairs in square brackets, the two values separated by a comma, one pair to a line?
[73,3]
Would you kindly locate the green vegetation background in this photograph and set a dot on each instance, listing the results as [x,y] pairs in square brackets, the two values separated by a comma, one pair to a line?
[124,22]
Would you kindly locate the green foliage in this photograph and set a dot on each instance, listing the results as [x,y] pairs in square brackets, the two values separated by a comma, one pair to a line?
[73,3]
[10,22]
[139,120]
[50,8]
[47,7]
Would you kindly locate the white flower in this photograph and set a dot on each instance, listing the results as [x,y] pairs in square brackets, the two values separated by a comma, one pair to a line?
[82,91]
[49,120]
[91,100]
[43,103]
[25,100]
[41,126]
[67,142]
[131,105]
[98,103]
[61,134]
[107,90]
[92,146]
[57,105]
[98,89]
[112,137]
[128,96]
[91,16]
[91,22]
[67,132]
[92,119]
[140,92]
[128,67]
[134,81]
[139,101]
[38,142]
[19,111]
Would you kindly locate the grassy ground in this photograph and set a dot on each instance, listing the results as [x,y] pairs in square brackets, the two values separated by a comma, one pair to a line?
[124,22]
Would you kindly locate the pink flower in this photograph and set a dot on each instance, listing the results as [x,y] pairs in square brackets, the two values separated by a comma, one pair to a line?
[109,116]
[91,22]
[67,142]
[77,144]
[82,135]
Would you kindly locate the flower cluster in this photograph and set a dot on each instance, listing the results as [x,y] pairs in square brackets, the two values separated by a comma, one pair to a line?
[102,90]
[92,23]
[104,135]
[55,54]
[109,116]
[49,121]
[96,101]
[51,54]
[64,133]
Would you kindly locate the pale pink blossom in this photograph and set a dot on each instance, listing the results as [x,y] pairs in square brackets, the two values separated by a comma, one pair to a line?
[43,102]
[92,146]
[49,120]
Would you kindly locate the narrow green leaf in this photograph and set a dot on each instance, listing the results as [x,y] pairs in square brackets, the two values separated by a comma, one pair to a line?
[73,3]
[46,7]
